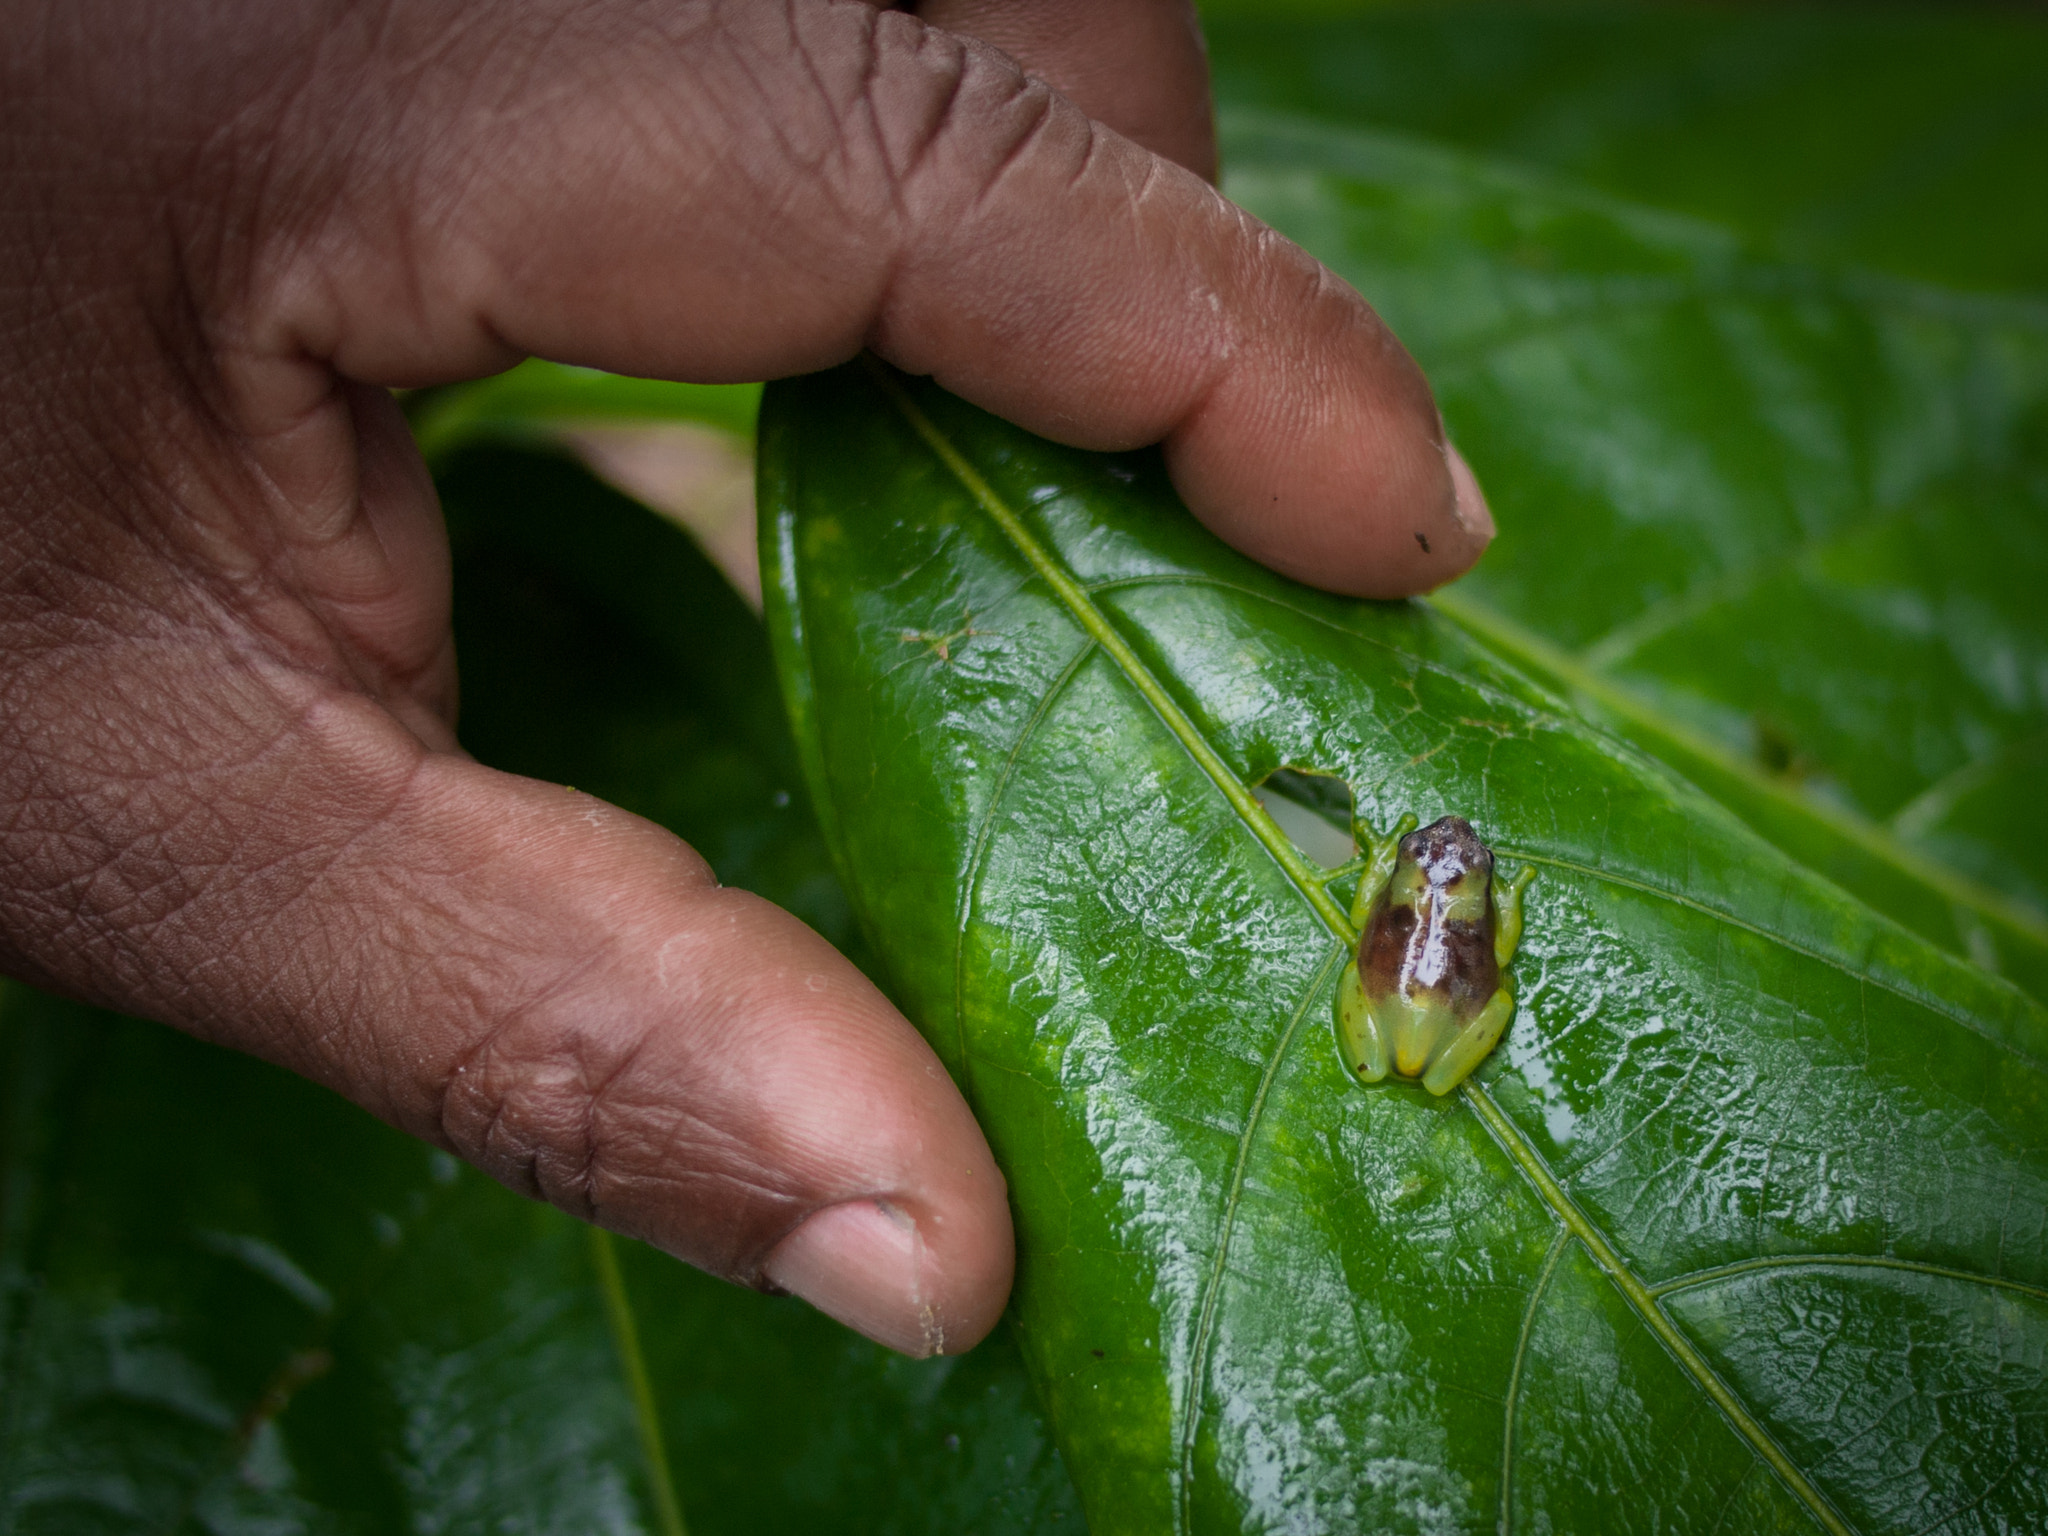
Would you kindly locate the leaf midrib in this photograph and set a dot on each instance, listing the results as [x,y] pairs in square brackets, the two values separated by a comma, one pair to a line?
[1093,622]
[1505,1133]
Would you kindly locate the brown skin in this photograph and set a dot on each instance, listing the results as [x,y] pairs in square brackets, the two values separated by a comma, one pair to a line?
[233,794]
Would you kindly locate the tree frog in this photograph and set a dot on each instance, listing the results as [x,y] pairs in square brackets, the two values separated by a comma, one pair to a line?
[1425,997]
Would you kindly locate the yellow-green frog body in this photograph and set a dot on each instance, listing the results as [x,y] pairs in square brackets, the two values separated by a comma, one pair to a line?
[1426,997]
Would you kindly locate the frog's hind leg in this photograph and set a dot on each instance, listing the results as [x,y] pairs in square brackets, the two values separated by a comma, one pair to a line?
[1471,1045]
[1358,1036]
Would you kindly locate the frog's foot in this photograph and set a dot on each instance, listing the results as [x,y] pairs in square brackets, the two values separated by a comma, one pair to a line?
[1358,1037]
[1344,871]
[1471,1044]
[1363,834]
[1378,860]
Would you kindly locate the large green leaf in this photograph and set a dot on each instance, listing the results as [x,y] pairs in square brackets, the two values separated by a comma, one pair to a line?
[230,1302]
[1741,1229]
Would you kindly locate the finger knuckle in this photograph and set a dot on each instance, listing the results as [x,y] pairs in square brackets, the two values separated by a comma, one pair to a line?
[529,1110]
[604,1126]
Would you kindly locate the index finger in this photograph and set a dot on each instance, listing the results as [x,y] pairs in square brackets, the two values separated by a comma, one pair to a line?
[786,185]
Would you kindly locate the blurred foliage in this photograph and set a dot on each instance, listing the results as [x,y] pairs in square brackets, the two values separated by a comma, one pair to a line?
[1908,138]
[538,398]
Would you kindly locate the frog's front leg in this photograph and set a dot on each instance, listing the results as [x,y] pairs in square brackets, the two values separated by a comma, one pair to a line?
[1359,1040]
[1469,1046]
[1507,916]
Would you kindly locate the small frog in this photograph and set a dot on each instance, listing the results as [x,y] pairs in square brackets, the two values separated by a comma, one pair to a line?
[1425,997]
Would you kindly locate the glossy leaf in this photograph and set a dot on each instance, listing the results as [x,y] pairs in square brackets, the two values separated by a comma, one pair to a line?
[1786,529]
[230,1302]
[1741,1229]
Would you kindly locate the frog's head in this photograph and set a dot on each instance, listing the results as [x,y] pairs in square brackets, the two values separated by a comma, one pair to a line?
[1444,865]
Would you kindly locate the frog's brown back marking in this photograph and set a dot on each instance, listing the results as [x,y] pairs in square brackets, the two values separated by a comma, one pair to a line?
[1428,958]
[1417,950]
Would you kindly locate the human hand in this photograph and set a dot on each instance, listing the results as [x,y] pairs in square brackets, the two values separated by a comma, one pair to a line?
[234,795]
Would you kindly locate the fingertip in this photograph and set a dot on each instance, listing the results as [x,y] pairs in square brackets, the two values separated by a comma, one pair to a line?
[1470,508]
[1339,487]
[874,1266]
[688,1064]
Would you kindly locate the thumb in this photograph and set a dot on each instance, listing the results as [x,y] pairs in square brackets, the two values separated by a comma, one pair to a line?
[238,842]
[683,1063]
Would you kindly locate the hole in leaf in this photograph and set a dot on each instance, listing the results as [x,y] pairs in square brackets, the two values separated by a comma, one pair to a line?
[1313,809]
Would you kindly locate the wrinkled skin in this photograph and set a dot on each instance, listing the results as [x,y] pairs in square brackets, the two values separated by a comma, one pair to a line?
[234,795]
[1425,997]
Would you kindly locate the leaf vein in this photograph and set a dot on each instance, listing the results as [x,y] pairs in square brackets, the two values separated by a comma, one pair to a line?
[984,835]
[1721,1272]
[1932,1004]
[1212,1289]
[1507,1438]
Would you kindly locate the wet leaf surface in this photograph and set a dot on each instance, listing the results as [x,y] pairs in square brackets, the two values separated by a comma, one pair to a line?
[1254,1296]
[1740,1229]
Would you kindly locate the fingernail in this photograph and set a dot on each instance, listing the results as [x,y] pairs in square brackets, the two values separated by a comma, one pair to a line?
[863,1263]
[1470,507]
